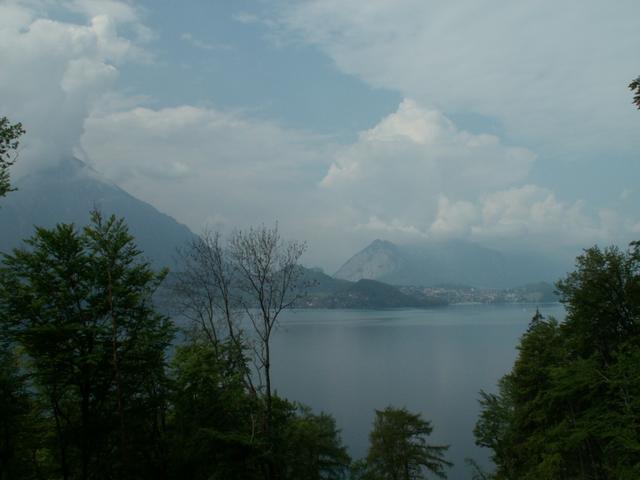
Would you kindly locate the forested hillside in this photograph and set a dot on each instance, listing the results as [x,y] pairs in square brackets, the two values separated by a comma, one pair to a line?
[570,407]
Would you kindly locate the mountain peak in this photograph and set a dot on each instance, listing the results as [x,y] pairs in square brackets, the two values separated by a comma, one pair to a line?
[381,244]
[446,262]
[375,261]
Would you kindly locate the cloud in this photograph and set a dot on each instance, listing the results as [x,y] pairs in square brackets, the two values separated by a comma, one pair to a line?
[195,42]
[54,71]
[200,163]
[454,219]
[553,74]
[119,11]
[414,176]
[531,217]
[533,214]
[398,170]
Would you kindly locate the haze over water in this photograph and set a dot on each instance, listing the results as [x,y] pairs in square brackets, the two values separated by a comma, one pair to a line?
[350,362]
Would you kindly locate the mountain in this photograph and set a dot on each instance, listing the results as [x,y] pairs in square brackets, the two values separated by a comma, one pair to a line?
[451,262]
[319,283]
[68,192]
[324,291]
[372,294]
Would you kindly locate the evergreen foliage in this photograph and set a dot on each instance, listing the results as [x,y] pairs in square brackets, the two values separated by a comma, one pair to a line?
[398,448]
[570,406]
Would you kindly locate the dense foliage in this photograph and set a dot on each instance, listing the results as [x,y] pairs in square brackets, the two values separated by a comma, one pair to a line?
[9,142]
[93,386]
[398,448]
[77,306]
[570,407]
[634,86]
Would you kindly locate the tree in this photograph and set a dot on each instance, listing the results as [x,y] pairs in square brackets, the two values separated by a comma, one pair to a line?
[9,135]
[18,436]
[398,448]
[602,298]
[254,276]
[213,431]
[634,86]
[309,446]
[79,304]
[569,408]
[205,292]
[268,276]
[212,424]
[513,423]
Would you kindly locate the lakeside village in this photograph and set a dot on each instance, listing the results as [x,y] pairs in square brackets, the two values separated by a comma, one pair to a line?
[451,295]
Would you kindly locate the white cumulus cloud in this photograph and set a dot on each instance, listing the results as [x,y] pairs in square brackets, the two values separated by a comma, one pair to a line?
[53,71]
[398,170]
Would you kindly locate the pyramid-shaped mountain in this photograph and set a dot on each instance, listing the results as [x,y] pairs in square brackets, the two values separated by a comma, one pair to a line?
[448,263]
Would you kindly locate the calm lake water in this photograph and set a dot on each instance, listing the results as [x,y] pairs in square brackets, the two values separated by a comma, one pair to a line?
[350,362]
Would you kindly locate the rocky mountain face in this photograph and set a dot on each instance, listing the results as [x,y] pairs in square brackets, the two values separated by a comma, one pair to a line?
[68,192]
[453,262]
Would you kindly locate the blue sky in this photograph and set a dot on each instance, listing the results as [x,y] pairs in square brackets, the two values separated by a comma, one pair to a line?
[208,57]
[345,121]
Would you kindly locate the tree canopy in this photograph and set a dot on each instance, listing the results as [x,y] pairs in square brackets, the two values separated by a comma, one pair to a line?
[86,390]
[79,306]
[9,142]
[398,448]
[570,406]
[634,86]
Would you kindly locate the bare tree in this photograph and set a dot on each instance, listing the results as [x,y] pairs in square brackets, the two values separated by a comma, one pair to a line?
[205,293]
[250,280]
[269,279]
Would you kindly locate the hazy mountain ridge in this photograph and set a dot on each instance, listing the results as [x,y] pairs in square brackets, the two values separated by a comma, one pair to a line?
[451,262]
[324,291]
[68,192]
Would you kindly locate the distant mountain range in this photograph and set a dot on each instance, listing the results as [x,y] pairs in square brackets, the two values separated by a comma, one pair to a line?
[328,292]
[68,192]
[451,262]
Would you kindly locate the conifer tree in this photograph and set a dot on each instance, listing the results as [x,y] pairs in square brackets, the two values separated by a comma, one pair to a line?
[398,448]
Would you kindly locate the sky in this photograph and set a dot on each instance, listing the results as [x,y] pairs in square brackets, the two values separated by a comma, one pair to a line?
[509,124]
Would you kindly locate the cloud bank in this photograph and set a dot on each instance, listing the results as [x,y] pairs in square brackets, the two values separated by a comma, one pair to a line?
[552,74]
[53,71]
[413,175]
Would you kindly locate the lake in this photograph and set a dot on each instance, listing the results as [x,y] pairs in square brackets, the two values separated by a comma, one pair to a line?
[350,362]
